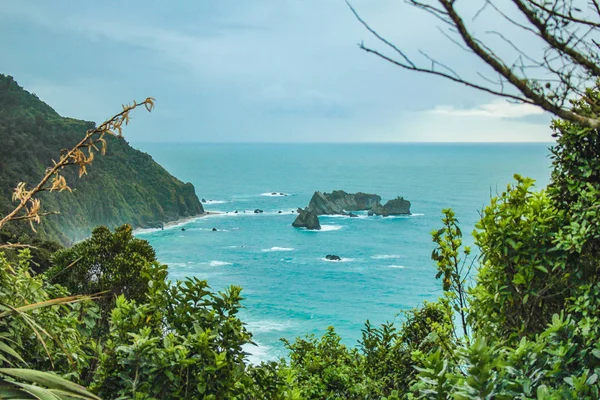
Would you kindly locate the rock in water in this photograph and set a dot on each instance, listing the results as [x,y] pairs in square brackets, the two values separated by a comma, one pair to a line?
[340,202]
[307,219]
[214,229]
[258,211]
[204,200]
[397,206]
[333,257]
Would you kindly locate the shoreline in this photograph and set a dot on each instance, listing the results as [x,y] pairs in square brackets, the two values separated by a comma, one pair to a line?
[176,223]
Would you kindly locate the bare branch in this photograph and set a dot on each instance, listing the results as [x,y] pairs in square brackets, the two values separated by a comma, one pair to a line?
[554,42]
[396,49]
[447,76]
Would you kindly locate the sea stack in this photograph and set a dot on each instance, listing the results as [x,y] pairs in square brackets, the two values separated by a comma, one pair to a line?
[340,202]
[307,219]
[397,206]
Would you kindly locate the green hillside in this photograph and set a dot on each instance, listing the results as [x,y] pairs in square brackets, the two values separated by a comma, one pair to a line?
[125,186]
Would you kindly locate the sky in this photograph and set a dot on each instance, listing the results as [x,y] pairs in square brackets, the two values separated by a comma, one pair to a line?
[257,70]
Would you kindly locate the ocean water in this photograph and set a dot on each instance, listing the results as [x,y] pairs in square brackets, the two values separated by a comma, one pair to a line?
[290,289]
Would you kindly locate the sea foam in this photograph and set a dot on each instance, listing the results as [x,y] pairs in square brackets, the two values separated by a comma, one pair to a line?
[258,352]
[329,228]
[275,248]
[274,194]
[268,326]
[385,256]
[341,260]
[216,263]
[216,201]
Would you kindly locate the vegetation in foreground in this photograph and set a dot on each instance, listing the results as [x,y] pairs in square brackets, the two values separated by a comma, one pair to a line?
[528,328]
[101,320]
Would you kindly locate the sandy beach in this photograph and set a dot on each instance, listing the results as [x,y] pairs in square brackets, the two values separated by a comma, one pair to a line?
[177,222]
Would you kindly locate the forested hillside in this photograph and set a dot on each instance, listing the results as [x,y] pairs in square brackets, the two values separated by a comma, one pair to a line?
[125,186]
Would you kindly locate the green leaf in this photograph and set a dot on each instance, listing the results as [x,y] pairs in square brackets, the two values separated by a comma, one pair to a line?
[10,351]
[541,268]
[519,279]
[38,392]
[48,380]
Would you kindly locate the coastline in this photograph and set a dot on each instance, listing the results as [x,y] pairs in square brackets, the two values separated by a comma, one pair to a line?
[187,220]
[176,223]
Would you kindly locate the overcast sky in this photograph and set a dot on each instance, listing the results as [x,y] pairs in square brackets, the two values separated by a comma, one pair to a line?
[254,71]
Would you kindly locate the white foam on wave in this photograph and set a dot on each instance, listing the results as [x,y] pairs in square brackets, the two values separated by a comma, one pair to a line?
[145,231]
[341,260]
[216,263]
[329,228]
[251,213]
[258,352]
[274,194]
[268,326]
[356,216]
[333,216]
[385,256]
[416,215]
[275,248]
[216,201]
[396,266]
[171,225]
[175,264]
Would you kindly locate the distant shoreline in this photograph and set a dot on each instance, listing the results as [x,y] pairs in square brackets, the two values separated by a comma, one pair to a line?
[185,220]
[177,222]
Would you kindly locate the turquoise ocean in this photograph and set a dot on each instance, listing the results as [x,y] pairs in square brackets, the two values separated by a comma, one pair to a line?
[290,289]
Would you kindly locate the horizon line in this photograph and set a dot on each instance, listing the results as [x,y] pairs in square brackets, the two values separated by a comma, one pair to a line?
[415,142]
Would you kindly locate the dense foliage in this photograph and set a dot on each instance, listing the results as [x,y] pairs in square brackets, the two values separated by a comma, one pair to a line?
[125,186]
[528,326]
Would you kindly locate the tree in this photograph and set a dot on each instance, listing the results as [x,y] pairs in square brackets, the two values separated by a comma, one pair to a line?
[111,263]
[534,309]
[569,63]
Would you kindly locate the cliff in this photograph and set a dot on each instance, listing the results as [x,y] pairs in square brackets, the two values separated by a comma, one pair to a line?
[124,186]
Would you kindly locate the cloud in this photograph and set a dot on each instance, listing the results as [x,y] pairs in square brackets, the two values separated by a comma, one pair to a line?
[257,71]
[493,122]
[281,99]
[496,109]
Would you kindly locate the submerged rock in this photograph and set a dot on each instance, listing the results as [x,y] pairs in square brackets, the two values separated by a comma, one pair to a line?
[340,202]
[258,211]
[397,206]
[333,257]
[204,200]
[307,219]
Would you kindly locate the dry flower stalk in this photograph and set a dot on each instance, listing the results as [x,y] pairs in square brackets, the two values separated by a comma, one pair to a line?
[81,155]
